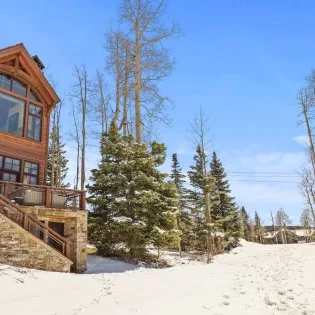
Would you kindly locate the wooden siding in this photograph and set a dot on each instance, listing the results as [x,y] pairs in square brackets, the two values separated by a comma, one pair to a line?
[27,71]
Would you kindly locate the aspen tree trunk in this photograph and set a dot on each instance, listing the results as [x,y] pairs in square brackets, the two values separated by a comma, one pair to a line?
[207,208]
[53,143]
[138,86]
[274,228]
[118,77]
[125,91]
[84,109]
[310,138]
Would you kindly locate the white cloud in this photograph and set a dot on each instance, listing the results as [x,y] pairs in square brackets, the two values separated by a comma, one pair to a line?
[303,140]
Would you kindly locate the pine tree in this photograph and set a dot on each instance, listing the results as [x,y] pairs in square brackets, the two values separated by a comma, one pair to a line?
[57,161]
[133,204]
[258,229]
[183,217]
[225,213]
[246,224]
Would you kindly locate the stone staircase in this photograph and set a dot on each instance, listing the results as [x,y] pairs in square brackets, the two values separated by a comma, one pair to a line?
[27,242]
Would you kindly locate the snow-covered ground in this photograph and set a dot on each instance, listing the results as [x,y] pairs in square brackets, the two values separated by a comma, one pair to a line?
[253,279]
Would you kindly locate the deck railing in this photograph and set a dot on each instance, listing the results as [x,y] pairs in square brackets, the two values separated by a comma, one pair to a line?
[34,226]
[46,196]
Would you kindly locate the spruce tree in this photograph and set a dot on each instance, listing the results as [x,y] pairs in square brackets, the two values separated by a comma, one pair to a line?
[246,224]
[133,204]
[57,157]
[183,217]
[225,213]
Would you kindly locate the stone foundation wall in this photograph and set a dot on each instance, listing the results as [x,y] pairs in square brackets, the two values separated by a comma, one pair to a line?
[22,249]
[75,230]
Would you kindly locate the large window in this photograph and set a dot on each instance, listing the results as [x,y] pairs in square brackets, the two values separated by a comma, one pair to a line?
[9,169]
[11,114]
[12,109]
[13,170]
[34,122]
[30,173]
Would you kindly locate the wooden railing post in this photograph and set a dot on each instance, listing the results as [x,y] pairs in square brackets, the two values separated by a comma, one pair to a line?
[67,251]
[6,190]
[48,197]
[25,222]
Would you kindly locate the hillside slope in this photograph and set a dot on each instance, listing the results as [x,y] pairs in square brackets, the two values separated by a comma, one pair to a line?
[253,279]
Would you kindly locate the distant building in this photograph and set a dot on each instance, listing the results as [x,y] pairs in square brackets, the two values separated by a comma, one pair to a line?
[289,236]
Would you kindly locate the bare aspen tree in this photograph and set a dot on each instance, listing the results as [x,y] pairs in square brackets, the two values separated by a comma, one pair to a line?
[274,227]
[307,188]
[200,138]
[307,222]
[282,220]
[58,147]
[101,107]
[306,99]
[75,136]
[53,148]
[146,33]
[126,87]
[114,64]
[81,95]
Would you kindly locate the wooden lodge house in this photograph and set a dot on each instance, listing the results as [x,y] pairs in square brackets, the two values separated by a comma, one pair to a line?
[41,227]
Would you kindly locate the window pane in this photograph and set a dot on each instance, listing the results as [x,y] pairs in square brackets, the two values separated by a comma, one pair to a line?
[35,110]
[11,114]
[12,164]
[34,126]
[5,82]
[33,96]
[28,179]
[10,177]
[30,168]
[18,87]
[16,165]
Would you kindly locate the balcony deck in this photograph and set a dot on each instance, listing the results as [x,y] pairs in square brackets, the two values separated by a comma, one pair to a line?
[43,196]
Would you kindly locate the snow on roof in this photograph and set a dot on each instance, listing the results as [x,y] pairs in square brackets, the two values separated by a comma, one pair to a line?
[299,232]
[304,232]
[218,234]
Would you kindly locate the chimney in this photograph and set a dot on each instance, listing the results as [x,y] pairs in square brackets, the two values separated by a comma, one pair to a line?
[38,62]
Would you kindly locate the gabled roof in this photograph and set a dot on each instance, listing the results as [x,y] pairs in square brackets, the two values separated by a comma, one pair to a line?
[16,61]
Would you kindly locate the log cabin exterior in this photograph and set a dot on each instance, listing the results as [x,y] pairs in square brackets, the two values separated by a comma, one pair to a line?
[55,217]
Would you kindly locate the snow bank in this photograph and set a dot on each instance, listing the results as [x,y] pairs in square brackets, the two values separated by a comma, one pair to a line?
[252,279]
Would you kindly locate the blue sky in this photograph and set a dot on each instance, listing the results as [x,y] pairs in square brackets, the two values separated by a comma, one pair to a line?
[242,61]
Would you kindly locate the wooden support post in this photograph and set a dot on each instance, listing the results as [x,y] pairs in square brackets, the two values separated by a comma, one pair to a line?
[46,232]
[68,249]
[6,190]
[48,197]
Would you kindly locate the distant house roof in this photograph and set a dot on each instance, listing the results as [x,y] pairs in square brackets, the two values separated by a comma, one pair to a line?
[304,232]
[298,232]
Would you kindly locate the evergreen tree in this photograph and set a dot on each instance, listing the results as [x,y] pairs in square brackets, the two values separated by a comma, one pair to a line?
[183,217]
[205,196]
[57,161]
[133,204]
[225,213]
[246,224]
[258,229]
